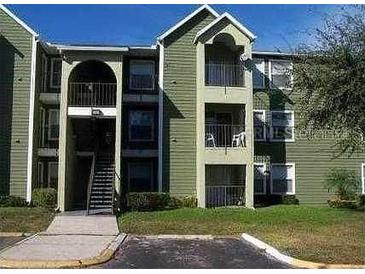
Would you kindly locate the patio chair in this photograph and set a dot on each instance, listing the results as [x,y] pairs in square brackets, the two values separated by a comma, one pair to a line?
[239,140]
[209,140]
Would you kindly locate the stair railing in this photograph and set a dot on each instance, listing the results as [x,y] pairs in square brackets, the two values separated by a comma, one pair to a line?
[116,176]
[91,178]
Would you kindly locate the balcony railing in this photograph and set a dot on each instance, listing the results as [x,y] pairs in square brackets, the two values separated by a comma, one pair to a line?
[92,94]
[224,75]
[225,195]
[223,135]
[141,82]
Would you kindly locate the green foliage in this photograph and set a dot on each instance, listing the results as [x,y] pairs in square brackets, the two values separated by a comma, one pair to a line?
[44,197]
[345,183]
[189,201]
[148,201]
[12,201]
[336,203]
[289,200]
[329,77]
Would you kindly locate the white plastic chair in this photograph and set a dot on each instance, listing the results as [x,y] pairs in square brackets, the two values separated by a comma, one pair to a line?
[209,138]
[239,140]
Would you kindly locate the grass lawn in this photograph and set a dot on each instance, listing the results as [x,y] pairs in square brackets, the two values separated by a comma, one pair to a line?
[24,219]
[319,234]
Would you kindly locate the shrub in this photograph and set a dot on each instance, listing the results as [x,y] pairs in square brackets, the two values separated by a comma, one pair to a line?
[289,200]
[44,197]
[12,201]
[148,201]
[345,183]
[189,201]
[337,203]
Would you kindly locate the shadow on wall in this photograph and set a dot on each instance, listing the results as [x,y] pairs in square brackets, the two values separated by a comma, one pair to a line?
[170,112]
[7,60]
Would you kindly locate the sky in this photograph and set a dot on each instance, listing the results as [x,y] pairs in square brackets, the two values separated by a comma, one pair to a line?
[277,27]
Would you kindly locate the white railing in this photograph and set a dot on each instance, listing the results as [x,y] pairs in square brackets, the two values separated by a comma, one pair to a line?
[92,94]
[222,135]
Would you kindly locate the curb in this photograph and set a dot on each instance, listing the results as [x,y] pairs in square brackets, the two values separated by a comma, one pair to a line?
[15,234]
[175,236]
[293,261]
[103,257]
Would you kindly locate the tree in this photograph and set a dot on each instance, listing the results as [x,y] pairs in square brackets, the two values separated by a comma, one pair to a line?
[329,76]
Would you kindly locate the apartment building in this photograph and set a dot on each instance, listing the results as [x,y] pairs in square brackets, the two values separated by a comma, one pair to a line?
[200,113]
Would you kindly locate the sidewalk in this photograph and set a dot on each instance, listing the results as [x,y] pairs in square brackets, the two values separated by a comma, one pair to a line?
[69,241]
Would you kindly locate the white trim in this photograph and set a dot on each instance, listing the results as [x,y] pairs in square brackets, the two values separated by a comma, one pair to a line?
[186,19]
[293,128]
[363,178]
[89,48]
[160,114]
[49,173]
[265,187]
[294,178]
[130,139]
[83,112]
[141,61]
[31,119]
[264,114]
[50,111]
[237,24]
[270,73]
[272,53]
[51,74]
[19,21]
[263,73]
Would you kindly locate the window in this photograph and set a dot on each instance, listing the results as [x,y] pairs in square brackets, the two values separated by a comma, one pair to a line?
[280,74]
[258,73]
[56,70]
[53,124]
[142,75]
[283,178]
[40,174]
[140,177]
[53,174]
[44,73]
[363,178]
[141,125]
[282,126]
[259,119]
[260,178]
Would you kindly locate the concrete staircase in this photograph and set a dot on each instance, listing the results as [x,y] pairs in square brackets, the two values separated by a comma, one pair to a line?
[101,194]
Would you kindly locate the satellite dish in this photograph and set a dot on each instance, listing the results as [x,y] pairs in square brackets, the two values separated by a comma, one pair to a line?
[243,57]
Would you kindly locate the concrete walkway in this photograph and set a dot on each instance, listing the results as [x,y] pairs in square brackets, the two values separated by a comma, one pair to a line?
[67,238]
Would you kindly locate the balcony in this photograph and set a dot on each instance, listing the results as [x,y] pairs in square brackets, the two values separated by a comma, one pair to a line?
[92,94]
[225,136]
[224,75]
[142,82]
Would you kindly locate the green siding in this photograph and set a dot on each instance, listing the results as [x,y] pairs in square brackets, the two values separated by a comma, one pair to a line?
[15,74]
[179,150]
[313,157]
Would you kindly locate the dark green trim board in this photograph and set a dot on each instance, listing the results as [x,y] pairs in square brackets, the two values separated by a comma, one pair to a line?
[15,79]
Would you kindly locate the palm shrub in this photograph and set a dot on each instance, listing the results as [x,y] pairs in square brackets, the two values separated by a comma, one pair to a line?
[345,183]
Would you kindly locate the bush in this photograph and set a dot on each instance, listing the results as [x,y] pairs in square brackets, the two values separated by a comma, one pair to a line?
[336,203]
[148,201]
[189,201]
[345,183]
[289,200]
[12,201]
[44,197]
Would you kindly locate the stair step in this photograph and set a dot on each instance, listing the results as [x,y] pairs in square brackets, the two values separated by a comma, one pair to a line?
[101,206]
[100,202]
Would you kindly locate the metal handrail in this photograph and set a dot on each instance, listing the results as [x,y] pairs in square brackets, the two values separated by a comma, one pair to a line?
[224,75]
[92,94]
[225,135]
[225,195]
[91,178]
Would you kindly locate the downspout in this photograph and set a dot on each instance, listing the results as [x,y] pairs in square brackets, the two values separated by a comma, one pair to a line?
[160,112]
[31,119]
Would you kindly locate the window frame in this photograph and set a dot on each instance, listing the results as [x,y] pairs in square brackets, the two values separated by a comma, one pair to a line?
[49,173]
[45,73]
[272,139]
[130,139]
[270,74]
[272,181]
[264,121]
[264,183]
[49,123]
[150,163]
[363,178]
[263,76]
[136,61]
[53,60]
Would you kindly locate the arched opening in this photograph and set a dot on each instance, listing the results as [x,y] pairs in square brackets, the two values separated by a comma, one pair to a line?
[92,84]
[222,62]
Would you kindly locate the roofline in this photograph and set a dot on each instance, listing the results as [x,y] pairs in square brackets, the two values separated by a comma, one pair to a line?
[19,21]
[272,53]
[88,48]
[248,33]
[186,19]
